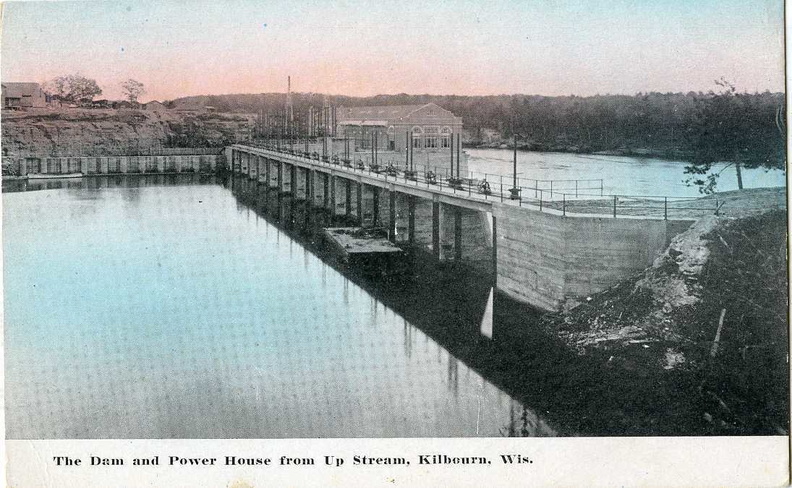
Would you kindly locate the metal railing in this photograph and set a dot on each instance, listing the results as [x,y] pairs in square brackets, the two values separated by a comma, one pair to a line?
[655,206]
[576,197]
[577,187]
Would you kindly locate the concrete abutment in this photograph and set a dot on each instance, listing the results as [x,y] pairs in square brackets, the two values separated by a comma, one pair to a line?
[543,259]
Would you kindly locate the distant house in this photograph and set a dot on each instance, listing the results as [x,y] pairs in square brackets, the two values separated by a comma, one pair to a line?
[155,105]
[100,104]
[122,104]
[23,95]
[191,109]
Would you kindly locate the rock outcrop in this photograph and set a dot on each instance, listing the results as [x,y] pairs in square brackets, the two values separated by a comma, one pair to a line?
[103,132]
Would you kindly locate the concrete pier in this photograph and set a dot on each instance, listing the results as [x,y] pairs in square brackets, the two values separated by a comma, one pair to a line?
[539,256]
[338,196]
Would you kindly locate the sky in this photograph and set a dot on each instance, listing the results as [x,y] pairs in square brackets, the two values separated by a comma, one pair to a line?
[369,47]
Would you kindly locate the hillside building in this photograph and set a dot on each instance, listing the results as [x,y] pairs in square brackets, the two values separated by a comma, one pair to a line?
[23,95]
[155,105]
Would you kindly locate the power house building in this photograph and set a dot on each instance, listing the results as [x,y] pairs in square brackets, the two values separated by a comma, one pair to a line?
[390,127]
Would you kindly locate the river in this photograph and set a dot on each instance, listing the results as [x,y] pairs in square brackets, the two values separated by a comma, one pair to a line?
[621,175]
[200,307]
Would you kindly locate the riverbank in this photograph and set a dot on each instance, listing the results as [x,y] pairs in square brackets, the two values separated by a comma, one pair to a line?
[710,314]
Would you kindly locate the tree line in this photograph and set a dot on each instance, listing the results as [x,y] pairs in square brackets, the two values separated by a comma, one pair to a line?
[76,88]
[722,125]
[694,126]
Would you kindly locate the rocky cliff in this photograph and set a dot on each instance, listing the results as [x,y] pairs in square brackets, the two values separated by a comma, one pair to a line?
[102,132]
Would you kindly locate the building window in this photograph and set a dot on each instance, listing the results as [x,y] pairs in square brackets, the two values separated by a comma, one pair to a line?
[365,139]
[417,134]
[33,165]
[445,137]
[431,142]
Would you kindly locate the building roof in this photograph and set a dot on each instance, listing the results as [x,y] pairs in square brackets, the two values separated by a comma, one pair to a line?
[373,123]
[383,112]
[16,90]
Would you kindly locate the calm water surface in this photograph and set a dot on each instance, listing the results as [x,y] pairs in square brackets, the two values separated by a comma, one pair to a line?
[161,307]
[621,175]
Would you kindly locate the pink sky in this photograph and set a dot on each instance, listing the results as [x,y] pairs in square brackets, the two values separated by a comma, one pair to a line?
[544,47]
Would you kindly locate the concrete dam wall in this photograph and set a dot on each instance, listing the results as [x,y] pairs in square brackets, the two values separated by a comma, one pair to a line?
[543,259]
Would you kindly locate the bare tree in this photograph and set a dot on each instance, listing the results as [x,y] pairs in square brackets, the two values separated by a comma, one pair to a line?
[133,90]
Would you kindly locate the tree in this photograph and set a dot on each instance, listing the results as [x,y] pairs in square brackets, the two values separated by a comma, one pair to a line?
[73,88]
[738,128]
[133,90]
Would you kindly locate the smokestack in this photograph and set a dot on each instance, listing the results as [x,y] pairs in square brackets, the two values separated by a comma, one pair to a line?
[289,107]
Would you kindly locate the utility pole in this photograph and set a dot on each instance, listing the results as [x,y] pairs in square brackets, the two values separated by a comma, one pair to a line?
[515,190]
[289,106]
[459,150]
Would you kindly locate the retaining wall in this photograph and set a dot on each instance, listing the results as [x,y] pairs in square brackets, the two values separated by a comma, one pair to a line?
[202,163]
[543,259]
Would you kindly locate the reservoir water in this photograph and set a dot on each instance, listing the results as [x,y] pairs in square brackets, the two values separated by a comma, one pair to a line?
[140,307]
[620,175]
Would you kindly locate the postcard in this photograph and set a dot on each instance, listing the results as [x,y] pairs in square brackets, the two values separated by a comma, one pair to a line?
[395,244]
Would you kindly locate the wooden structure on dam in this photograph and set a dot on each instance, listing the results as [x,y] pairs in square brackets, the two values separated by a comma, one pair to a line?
[541,255]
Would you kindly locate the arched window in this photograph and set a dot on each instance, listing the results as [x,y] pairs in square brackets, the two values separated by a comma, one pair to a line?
[445,137]
[417,134]
[391,138]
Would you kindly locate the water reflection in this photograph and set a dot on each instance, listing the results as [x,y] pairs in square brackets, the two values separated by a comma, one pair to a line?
[106,182]
[172,309]
[486,320]
[497,341]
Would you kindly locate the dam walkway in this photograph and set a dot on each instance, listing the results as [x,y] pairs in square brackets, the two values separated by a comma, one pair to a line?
[543,248]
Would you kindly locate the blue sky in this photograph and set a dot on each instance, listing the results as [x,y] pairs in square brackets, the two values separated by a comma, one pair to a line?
[368,47]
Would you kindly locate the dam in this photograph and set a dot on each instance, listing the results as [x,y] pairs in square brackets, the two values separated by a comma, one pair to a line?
[542,250]
[237,314]
[545,243]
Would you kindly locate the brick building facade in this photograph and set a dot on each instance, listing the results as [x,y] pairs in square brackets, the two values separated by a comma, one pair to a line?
[392,127]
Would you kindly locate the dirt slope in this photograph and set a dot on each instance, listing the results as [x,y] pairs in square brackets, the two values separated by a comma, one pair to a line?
[667,317]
